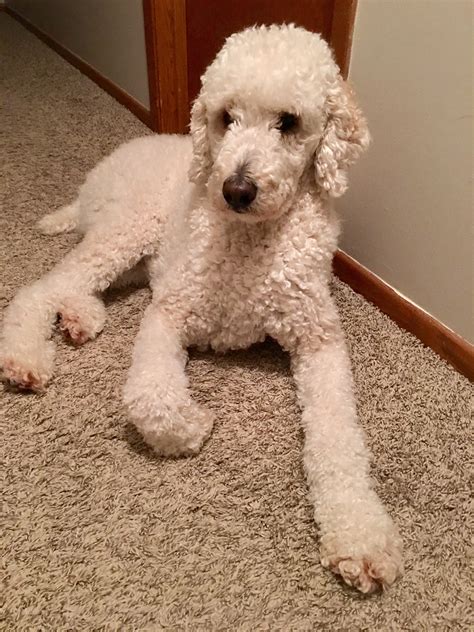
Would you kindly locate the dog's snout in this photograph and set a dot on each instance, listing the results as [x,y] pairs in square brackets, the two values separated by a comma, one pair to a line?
[239,192]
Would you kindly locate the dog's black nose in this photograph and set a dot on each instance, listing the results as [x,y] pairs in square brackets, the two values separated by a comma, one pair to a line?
[239,192]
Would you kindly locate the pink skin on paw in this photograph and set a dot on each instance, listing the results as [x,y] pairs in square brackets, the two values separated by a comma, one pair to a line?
[70,326]
[366,574]
[22,378]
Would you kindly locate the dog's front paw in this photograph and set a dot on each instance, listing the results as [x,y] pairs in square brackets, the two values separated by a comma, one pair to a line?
[184,435]
[180,432]
[81,318]
[367,557]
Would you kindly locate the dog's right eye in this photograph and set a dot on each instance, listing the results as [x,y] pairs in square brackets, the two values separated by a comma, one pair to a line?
[227,120]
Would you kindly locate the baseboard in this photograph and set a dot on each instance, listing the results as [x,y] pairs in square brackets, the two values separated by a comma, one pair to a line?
[139,110]
[445,342]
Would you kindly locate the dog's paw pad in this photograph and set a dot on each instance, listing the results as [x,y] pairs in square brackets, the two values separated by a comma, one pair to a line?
[81,318]
[71,327]
[22,377]
[367,568]
[366,574]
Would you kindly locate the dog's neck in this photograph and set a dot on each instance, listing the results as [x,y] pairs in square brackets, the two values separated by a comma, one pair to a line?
[309,216]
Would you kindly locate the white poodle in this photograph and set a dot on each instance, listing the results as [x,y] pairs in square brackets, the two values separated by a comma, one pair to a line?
[241,252]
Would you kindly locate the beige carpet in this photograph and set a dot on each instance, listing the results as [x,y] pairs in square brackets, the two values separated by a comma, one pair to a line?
[99,534]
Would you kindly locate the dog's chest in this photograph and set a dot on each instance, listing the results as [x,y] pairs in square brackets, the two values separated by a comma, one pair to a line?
[233,286]
[260,284]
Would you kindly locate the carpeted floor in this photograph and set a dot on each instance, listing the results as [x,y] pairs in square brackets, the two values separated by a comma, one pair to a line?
[99,534]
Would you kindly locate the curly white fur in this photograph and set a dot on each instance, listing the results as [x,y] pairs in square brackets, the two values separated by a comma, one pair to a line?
[227,280]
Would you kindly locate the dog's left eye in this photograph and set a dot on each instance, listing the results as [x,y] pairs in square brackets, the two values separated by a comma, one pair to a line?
[287,123]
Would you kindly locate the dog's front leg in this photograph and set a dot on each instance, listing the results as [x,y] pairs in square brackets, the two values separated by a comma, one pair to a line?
[358,538]
[156,393]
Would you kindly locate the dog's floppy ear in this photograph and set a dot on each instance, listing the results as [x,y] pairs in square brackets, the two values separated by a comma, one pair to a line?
[201,160]
[345,137]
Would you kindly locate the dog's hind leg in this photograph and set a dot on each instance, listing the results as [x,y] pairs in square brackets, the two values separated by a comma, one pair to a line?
[64,220]
[70,289]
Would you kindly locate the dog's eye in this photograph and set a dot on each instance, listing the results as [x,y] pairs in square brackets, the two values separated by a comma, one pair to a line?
[287,123]
[227,120]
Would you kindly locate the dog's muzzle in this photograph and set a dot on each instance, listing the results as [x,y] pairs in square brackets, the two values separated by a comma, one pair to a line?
[239,192]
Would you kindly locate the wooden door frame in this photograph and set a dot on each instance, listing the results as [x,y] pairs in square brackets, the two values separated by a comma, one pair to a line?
[165,37]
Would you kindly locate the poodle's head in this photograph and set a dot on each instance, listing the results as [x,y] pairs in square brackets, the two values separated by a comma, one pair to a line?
[273,109]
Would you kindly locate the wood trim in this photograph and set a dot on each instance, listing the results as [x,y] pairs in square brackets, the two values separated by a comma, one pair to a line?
[445,342]
[106,84]
[149,20]
[165,35]
[341,32]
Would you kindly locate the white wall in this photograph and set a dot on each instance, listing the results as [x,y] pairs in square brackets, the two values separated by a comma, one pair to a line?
[409,208]
[107,34]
